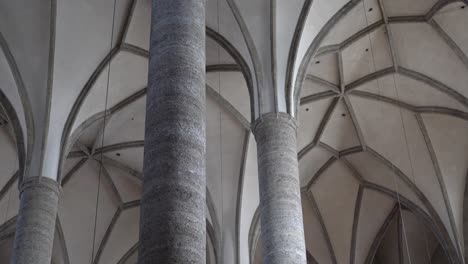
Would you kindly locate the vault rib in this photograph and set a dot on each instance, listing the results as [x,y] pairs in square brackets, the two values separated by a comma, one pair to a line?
[317,97]
[415,109]
[240,193]
[339,58]
[80,100]
[438,6]
[223,68]
[128,254]
[440,179]
[128,19]
[8,184]
[449,41]
[123,167]
[389,36]
[76,154]
[432,220]
[357,211]
[130,48]
[120,146]
[305,150]
[325,234]
[355,122]
[323,82]
[72,171]
[212,237]
[414,75]
[325,119]
[226,105]
[61,237]
[368,78]
[106,236]
[7,229]
[400,238]
[312,50]
[423,199]
[322,169]
[111,182]
[292,54]
[353,170]
[381,234]
[310,258]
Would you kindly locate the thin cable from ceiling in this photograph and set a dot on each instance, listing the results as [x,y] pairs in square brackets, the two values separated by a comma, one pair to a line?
[395,86]
[381,109]
[100,163]
[220,133]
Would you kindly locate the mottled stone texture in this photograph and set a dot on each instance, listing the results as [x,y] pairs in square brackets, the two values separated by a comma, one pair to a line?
[465,219]
[282,231]
[172,223]
[35,226]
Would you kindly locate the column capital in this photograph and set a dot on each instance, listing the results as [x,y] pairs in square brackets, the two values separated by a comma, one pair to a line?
[39,182]
[273,118]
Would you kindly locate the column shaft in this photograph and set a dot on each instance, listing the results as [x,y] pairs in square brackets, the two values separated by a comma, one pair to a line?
[282,230]
[35,227]
[172,223]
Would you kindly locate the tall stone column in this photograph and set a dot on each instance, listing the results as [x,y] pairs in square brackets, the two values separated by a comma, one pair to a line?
[282,230]
[172,223]
[35,227]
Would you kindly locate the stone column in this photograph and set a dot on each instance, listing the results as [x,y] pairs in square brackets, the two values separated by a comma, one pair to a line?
[35,227]
[282,230]
[465,220]
[172,222]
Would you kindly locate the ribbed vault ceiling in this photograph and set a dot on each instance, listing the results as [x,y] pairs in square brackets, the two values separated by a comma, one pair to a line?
[382,113]
[391,115]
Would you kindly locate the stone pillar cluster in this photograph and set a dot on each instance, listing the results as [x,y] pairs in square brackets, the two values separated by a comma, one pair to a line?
[172,221]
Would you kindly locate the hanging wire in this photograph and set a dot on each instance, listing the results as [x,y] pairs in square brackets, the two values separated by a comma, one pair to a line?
[381,111]
[409,154]
[220,127]
[103,133]
[406,144]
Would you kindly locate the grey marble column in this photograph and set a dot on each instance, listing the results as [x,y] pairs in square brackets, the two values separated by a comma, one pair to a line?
[172,222]
[35,227]
[282,230]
